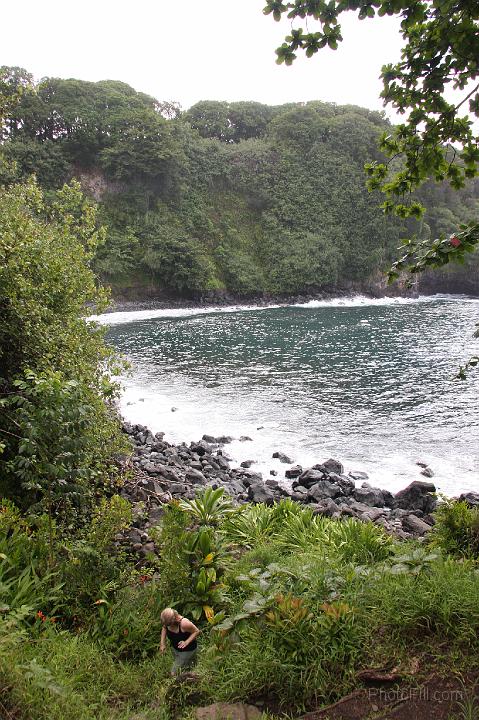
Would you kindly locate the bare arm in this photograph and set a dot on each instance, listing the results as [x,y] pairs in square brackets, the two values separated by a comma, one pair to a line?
[163,640]
[188,626]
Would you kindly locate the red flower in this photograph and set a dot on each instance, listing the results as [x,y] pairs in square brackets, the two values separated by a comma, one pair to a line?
[41,616]
[455,242]
[144,578]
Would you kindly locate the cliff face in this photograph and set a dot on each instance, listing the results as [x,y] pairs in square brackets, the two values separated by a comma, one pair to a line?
[456,281]
[96,184]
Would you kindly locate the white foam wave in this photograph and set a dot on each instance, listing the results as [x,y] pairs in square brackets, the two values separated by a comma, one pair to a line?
[119,318]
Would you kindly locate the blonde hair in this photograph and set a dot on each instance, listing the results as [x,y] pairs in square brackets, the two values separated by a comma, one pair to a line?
[169,616]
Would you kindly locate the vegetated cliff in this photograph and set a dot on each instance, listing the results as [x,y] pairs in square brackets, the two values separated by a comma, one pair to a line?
[238,199]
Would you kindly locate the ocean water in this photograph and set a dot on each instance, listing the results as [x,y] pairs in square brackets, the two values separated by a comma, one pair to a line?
[368,382]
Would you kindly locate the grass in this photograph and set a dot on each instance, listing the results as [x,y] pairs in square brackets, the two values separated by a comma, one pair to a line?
[308,602]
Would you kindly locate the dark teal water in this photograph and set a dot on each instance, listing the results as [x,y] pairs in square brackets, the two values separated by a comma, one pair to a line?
[368,382]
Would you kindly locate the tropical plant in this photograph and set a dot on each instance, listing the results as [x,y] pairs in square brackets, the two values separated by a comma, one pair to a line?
[360,542]
[209,506]
[301,531]
[456,530]
[251,526]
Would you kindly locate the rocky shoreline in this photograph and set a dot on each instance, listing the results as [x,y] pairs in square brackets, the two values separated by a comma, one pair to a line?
[218,300]
[162,471]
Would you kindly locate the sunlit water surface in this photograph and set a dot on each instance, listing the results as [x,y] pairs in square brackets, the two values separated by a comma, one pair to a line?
[369,382]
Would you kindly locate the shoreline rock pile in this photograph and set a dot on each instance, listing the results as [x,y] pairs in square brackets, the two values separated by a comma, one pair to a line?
[163,471]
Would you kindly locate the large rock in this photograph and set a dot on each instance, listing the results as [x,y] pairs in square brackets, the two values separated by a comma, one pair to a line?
[282,457]
[249,477]
[154,486]
[427,472]
[358,475]
[333,466]
[227,711]
[417,496]
[178,488]
[195,476]
[471,498]
[201,448]
[294,471]
[310,477]
[371,496]
[222,462]
[323,489]
[415,525]
[327,508]
[373,514]
[258,492]
[359,508]
[345,483]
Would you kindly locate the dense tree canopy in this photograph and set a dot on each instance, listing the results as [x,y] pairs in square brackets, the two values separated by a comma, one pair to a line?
[57,433]
[240,196]
[437,138]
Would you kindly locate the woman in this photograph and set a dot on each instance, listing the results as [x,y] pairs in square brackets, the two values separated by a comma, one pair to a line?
[182,635]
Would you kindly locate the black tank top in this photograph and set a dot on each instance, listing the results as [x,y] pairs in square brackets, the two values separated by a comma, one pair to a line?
[177,637]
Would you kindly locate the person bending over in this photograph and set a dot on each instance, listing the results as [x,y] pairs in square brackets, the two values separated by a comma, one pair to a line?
[182,634]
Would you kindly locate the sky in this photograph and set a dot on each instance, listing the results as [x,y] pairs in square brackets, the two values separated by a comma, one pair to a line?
[187,50]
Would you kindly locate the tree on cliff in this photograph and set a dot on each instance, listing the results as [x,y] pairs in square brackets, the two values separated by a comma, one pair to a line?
[437,139]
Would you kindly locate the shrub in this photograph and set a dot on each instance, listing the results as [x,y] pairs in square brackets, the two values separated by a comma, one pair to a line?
[442,598]
[457,529]
[92,569]
[209,506]
[360,542]
[25,585]
[69,677]
[58,428]
[130,626]
[293,653]
[254,525]
[174,581]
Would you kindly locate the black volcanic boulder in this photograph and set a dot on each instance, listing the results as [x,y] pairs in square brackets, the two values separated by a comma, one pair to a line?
[258,492]
[375,497]
[346,484]
[322,490]
[415,525]
[369,496]
[333,466]
[417,496]
[471,498]
[310,477]
[201,448]
[294,471]
[327,508]
[282,457]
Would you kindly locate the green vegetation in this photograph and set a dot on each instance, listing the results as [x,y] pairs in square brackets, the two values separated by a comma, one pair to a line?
[58,432]
[299,608]
[437,139]
[238,197]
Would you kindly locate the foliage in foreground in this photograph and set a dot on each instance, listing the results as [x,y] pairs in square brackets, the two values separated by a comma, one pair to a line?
[457,529]
[58,432]
[302,607]
[437,140]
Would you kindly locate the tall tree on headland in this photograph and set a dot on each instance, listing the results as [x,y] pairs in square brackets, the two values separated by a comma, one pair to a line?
[437,138]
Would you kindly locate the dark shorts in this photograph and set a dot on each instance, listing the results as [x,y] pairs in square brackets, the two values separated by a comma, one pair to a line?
[182,659]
